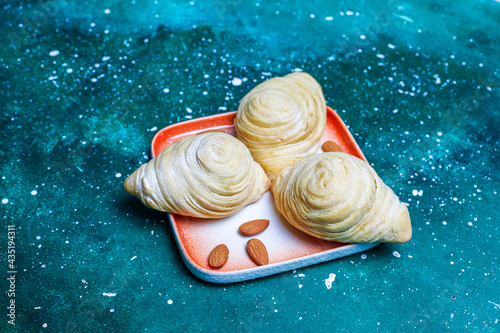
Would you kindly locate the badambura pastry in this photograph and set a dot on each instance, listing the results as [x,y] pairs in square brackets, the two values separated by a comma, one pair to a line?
[339,197]
[209,175]
[281,121]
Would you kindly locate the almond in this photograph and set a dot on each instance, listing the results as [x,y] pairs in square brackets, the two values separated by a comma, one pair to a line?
[252,228]
[330,146]
[257,252]
[219,256]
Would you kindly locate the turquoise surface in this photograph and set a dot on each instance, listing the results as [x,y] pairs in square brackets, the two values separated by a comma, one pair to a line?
[85,85]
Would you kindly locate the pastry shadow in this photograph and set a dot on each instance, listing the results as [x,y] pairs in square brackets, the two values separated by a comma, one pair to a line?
[142,216]
[139,212]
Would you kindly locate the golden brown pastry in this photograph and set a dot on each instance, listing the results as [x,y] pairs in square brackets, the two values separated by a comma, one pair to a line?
[339,197]
[281,121]
[209,175]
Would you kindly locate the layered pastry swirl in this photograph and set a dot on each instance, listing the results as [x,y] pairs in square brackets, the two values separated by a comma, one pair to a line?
[281,121]
[338,197]
[209,175]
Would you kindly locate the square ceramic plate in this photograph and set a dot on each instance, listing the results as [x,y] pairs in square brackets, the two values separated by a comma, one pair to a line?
[288,248]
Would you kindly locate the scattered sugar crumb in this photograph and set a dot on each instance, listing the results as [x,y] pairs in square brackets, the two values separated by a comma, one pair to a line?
[329,281]
[236,81]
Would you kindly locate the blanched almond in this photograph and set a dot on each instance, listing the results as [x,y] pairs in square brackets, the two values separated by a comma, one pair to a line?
[252,228]
[257,252]
[219,256]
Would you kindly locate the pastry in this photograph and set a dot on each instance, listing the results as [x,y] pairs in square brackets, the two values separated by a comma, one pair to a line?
[281,121]
[209,175]
[339,197]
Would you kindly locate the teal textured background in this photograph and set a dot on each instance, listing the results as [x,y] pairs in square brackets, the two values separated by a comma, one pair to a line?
[85,85]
